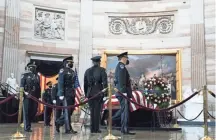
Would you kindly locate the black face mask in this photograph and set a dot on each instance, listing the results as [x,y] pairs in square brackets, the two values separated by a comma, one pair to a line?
[50,86]
[32,69]
[127,63]
[70,65]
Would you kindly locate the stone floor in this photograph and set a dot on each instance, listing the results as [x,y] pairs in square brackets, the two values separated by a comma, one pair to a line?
[45,133]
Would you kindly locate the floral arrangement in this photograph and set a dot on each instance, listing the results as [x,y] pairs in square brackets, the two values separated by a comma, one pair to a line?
[157,92]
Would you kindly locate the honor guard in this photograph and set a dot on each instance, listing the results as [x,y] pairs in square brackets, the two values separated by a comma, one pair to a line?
[47,98]
[30,82]
[123,84]
[95,80]
[66,92]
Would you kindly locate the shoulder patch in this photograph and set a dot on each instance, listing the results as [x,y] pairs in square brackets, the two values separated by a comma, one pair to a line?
[61,70]
[122,66]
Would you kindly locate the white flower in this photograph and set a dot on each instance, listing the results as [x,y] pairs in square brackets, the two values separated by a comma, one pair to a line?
[150,82]
[145,84]
[146,89]
[148,85]
[159,102]
[162,85]
[165,88]
[147,98]
[154,83]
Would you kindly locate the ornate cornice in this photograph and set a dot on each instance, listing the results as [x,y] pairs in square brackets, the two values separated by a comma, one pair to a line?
[141,25]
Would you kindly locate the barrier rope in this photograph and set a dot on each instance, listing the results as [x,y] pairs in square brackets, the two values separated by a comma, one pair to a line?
[211,116]
[9,115]
[63,107]
[190,119]
[156,110]
[7,99]
[212,93]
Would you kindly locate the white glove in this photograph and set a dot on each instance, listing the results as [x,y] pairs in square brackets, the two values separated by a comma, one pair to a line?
[105,98]
[61,97]
[54,101]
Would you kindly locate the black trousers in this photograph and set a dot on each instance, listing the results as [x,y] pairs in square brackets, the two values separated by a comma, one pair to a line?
[60,120]
[95,110]
[29,111]
[47,115]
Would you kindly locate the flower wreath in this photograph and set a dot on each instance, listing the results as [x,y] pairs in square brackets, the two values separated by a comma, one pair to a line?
[157,92]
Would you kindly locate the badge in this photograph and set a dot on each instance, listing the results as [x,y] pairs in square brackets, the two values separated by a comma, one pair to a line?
[61,70]
[22,76]
[122,66]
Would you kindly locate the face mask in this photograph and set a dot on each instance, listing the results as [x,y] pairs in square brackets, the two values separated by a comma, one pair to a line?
[127,63]
[70,65]
[31,69]
[50,86]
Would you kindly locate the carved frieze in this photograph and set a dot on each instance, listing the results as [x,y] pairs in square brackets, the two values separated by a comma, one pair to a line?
[142,25]
[49,24]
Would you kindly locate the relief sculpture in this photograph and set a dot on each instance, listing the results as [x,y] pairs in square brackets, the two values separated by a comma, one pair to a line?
[141,25]
[49,24]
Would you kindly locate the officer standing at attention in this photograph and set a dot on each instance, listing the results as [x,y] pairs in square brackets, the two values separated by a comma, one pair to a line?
[95,80]
[123,84]
[47,110]
[66,92]
[54,92]
[30,82]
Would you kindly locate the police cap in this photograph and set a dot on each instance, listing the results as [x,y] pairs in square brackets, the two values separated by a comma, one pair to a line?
[48,83]
[96,59]
[70,58]
[124,54]
[31,64]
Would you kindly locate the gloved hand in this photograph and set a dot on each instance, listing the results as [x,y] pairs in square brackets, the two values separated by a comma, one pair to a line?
[61,97]
[105,98]
[54,101]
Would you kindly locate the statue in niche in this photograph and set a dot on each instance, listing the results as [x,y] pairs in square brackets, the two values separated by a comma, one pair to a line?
[12,84]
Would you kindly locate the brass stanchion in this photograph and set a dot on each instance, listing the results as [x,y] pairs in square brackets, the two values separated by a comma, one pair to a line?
[18,134]
[205,113]
[110,136]
[176,124]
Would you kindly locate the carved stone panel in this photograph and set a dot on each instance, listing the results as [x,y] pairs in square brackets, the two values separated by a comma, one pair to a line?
[49,24]
[141,25]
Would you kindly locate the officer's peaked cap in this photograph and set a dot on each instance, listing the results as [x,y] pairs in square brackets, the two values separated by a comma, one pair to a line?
[96,58]
[30,64]
[48,83]
[70,58]
[124,54]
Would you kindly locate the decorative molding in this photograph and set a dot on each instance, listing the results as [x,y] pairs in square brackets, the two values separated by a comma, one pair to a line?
[49,24]
[141,25]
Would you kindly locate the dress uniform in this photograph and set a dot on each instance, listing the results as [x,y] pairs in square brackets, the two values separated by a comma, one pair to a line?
[95,80]
[30,82]
[66,92]
[47,98]
[123,84]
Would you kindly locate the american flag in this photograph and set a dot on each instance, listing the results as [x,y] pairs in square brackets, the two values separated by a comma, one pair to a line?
[79,92]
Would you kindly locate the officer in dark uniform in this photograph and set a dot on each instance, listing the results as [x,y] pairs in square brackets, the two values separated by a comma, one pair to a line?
[95,80]
[30,82]
[47,98]
[66,92]
[123,84]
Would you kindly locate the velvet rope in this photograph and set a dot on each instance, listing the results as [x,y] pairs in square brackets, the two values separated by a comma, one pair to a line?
[7,99]
[212,93]
[190,119]
[63,107]
[157,110]
[9,115]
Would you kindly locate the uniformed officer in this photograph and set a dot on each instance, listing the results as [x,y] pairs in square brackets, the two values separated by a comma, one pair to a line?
[123,84]
[95,80]
[54,92]
[47,98]
[30,82]
[66,92]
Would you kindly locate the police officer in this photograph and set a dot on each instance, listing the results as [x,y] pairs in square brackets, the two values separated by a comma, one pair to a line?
[66,91]
[30,82]
[122,82]
[95,80]
[54,92]
[47,98]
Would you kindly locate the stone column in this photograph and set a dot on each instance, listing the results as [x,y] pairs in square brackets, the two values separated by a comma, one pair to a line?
[85,49]
[11,39]
[198,60]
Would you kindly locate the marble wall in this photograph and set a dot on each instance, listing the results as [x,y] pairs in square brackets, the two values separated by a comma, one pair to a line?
[179,37]
[2,24]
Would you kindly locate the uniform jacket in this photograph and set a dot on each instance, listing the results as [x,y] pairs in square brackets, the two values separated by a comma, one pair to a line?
[122,80]
[31,84]
[47,96]
[95,80]
[54,92]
